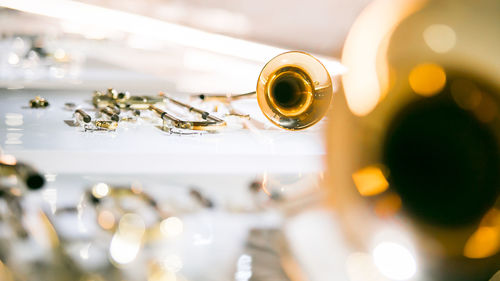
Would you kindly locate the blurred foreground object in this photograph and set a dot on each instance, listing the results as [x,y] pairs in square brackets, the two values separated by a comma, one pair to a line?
[413,145]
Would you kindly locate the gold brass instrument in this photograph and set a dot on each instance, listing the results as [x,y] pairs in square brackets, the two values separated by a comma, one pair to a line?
[413,142]
[294,91]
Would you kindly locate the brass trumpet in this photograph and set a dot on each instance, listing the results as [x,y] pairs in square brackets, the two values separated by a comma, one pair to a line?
[294,91]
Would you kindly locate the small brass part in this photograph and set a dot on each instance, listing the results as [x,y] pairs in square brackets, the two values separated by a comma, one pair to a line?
[143,102]
[118,95]
[38,102]
[123,100]
[111,103]
[108,110]
[210,122]
[108,125]
[83,115]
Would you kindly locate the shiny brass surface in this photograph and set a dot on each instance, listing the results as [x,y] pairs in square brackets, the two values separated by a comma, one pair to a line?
[413,142]
[38,102]
[294,91]
[112,101]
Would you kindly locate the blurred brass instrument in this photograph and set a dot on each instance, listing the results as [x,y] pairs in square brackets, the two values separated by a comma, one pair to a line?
[413,142]
[294,91]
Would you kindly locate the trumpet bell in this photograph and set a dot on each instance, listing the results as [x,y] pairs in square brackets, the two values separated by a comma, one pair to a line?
[294,90]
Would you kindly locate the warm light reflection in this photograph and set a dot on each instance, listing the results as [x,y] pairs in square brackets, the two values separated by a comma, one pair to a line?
[100,190]
[370,181]
[427,79]
[15,191]
[122,250]
[49,232]
[394,261]
[265,179]
[388,205]
[5,273]
[60,55]
[483,243]
[126,242]
[158,273]
[8,159]
[136,187]
[171,227]
[440,38]
[364,53]
[106,219]
[361,267]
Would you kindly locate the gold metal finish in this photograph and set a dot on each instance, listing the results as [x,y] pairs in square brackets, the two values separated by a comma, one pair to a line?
[112,101]
[226,98]
[83,115]
[107,125]
[38,102]
[413,143]
[294,91]
[214,123]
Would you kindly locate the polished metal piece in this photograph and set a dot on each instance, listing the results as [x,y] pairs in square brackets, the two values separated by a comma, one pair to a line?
[106,125]
[210,123]
[38,102]
[111,102]
[110,113]
[294,91]
[226,98]
[83,115]
[124,100]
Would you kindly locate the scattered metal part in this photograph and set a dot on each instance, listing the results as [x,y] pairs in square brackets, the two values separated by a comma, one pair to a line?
[108,110]
[107,125]
[83,115]
[38,102]
[210,123]
[69,106]
[200,198]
